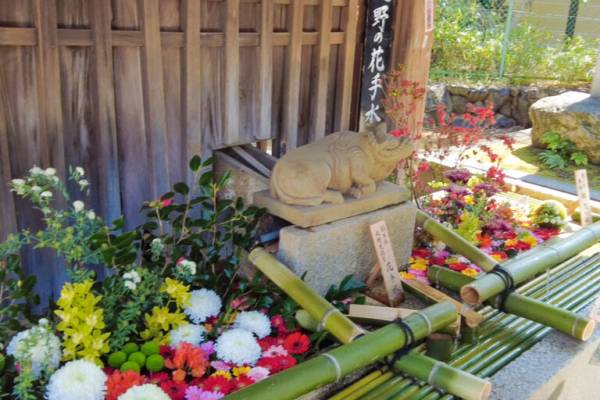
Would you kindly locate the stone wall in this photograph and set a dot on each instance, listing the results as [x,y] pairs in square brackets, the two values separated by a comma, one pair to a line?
[511,104]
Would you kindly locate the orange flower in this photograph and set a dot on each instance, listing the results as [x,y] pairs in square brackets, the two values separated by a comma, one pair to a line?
[187,357]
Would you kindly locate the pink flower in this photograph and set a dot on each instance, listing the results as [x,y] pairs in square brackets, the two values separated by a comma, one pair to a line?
[275,351]
[220,365]
[166,202]
[258,373]
[278,323]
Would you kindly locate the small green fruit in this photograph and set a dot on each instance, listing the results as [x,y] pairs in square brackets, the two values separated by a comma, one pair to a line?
[130,348]
[137,357]
[150,348]
[155,363]
[117,359]
[130,366]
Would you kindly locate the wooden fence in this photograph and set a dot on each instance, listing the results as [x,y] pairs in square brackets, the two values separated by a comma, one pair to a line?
[131,89]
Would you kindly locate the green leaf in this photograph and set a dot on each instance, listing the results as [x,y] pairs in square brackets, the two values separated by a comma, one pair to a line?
[181,188]
[579,158]
[195,163]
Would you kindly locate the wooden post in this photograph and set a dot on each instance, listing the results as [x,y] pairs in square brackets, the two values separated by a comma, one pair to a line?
[192,78]
[411,48]
[266,69]
[324,50]
[232,72]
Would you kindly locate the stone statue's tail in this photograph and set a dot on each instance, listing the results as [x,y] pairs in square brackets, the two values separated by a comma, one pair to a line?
[300,183]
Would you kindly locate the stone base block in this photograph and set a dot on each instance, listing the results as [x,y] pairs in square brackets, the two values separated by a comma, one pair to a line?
[304,216]
[557,368]
[327,253]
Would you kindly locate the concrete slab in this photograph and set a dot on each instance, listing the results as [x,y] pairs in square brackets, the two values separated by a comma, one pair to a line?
[557,368]
[305,216]
[329,252]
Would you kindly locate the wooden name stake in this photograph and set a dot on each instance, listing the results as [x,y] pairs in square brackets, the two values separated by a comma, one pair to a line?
[583,192]
[387,261]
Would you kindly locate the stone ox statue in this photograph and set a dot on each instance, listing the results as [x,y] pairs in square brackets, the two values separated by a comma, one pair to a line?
[343,162]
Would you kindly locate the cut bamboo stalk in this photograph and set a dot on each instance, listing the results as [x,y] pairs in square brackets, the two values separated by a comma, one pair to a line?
[572,324]
[329,317]
[439,374]
[472,317]
[332,366]
[535,261]
[377,314]
[456,242]
[440,346]
[277,274]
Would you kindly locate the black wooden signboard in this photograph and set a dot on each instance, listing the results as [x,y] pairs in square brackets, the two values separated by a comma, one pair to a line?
[376,59]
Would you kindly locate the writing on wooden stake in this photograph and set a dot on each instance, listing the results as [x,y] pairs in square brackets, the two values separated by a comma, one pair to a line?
[583,192]
[387,262]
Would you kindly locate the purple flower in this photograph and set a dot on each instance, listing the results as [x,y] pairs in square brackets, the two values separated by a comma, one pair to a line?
[460,175]
[195,393]
[208,348]
[458,190]
[486,188]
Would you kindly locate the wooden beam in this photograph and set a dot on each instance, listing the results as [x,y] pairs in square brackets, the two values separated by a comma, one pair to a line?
[154,95]
[106,160]
[192,79]
[18,36]
[291,102]
[49,90]
[266,69]
[319,103]
[349,51]
[231,126]
[411,48]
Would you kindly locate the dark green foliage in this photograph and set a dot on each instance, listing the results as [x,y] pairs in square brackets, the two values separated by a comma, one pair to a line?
[560,151]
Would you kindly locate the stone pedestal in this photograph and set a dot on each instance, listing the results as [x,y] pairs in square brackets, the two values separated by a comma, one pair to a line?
[327,253]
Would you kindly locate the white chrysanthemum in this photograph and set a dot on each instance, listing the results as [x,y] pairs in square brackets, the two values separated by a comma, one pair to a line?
[144,392]
[39,346]
[80,171]
[77,380]
[190,333]
[18,182]
[255,322]
[90,214]
[238,346]
[78,205]
[84,183]
[204,303]
[49,171]
[46,194]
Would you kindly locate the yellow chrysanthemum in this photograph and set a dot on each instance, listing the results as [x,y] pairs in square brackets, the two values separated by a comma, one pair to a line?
[530,240]
[237,371]
[224,374]
[406,275]
[469,199]
[469,272]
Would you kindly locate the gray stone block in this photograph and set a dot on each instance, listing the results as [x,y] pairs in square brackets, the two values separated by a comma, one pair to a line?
[329,252]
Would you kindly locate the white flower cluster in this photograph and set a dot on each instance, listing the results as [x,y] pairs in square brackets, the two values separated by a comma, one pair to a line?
[186,267]
[156,248]
[254,322]
[37,346]
[131,278]
[238,346]
[144,392]
[189,333]
[204,303]
[77,380]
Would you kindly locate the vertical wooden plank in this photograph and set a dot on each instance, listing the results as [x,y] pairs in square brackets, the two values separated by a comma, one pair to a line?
[192,84]
[324,50]
[412,49]
[266,69]
[8,220]
[106,126]
[154,95]
[291,97]
[350,29]
[232,72]
[49,93]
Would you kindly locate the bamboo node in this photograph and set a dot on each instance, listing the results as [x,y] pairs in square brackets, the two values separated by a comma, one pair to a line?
[427,321]
[336,365]
[433,372]
[323,323]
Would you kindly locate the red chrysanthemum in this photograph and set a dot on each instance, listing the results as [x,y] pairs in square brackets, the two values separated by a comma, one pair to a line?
[458,266]
[242,381]
[218,383]
[278,323]
[276,364]
[296,343]
[119,382]
[175,390]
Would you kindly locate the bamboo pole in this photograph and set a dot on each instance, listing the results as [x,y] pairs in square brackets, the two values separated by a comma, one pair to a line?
[329,317]
[456,242]
[332,366]
[266,262]
[530,264]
